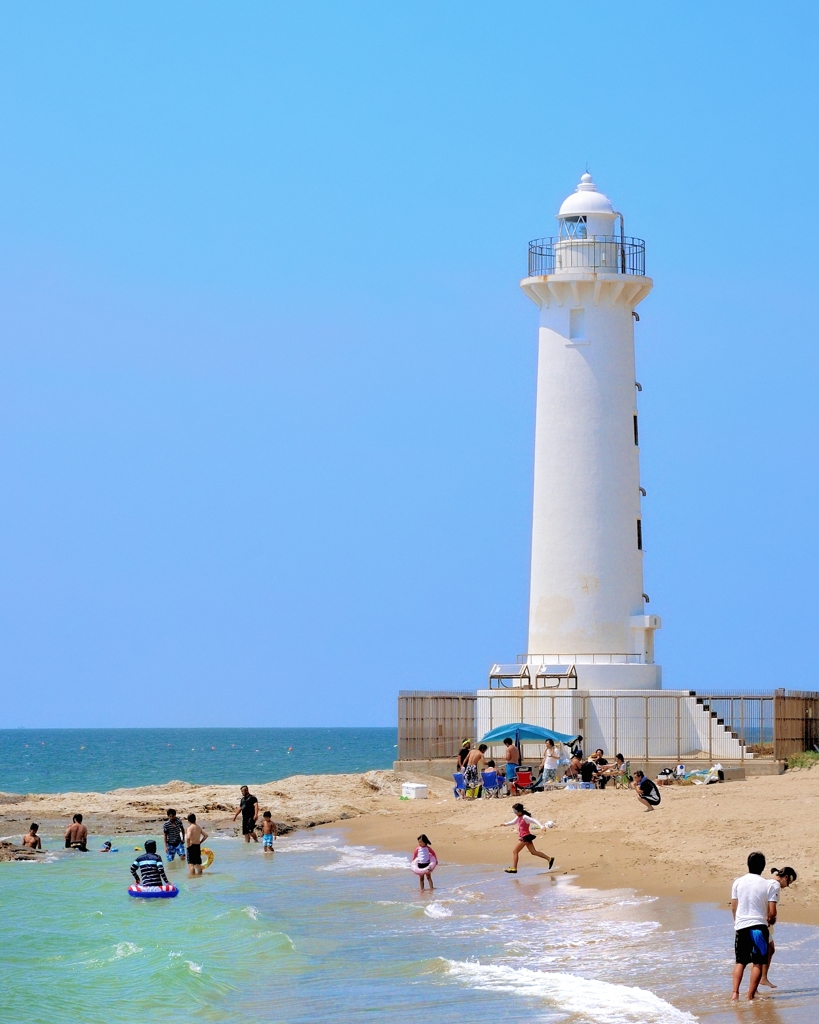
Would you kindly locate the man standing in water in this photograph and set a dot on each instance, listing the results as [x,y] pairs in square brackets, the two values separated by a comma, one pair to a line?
[753,904]
[249,810]
[76,835]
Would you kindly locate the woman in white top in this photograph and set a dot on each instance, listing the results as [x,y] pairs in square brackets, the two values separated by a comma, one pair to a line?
[782,878]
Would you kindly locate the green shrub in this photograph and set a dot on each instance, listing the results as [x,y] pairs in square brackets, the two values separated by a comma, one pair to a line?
[807,759]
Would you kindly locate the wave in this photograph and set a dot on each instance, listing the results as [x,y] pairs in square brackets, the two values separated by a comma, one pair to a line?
[600,1001]
[437,910]
[364,858]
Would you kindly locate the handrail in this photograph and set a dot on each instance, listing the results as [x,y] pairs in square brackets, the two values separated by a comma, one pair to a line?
[606,253]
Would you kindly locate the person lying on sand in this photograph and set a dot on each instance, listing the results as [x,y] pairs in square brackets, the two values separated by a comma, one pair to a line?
[31,839]
[76,835]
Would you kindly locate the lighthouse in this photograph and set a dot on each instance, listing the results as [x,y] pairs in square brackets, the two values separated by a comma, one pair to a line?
[588,607]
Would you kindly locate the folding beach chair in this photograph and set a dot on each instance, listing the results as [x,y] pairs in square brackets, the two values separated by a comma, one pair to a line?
[621,780]
[492,784]
[460,786]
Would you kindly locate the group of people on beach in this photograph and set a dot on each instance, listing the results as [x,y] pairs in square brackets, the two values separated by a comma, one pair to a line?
[592,770]
[183,840]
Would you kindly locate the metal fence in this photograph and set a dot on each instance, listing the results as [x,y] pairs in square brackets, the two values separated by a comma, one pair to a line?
[650,725]
[606,253]
[434,723]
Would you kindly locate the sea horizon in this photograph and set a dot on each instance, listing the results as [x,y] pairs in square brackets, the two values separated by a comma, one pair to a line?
[99,759]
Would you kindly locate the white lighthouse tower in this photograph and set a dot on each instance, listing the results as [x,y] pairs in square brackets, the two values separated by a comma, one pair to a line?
[587,602]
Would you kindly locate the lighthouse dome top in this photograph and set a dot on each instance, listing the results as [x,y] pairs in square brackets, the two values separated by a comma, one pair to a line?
[586,200]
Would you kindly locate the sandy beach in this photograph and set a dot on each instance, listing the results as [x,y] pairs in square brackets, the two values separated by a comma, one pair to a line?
[691,847]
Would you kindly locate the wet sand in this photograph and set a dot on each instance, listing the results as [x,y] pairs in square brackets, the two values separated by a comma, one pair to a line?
[691,847]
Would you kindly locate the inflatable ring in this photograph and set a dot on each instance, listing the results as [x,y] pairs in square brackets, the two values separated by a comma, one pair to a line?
[433,862]
[153,891]
[207,857]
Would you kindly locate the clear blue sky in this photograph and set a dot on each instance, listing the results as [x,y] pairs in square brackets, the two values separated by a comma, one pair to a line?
[267,377]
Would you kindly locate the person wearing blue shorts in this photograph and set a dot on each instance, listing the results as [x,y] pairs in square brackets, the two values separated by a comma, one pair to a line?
[268,832]
[174,831]
[753,904]
[512,765]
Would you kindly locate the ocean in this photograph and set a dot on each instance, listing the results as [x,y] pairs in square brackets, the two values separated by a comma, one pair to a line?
[322,931]
[97,760]
[325,931]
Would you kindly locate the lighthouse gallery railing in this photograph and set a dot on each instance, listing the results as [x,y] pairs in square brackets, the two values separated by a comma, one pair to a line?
[605,253]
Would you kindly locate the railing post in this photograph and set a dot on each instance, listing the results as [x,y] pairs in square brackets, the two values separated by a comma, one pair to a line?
[646,715]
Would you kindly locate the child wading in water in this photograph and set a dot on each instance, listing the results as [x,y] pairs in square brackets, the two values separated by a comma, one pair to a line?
[526,840]
[268,831]
[424,861]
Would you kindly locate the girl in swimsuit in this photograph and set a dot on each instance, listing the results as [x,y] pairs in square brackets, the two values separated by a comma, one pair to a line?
[424,861]
[526,841]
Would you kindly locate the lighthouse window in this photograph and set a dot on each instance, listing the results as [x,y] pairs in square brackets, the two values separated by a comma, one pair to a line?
[573,227]
[636,431]
[577,324]
[639,534]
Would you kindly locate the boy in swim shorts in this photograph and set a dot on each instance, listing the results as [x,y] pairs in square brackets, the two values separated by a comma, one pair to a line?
[194,837]
[268,831]
[174,832]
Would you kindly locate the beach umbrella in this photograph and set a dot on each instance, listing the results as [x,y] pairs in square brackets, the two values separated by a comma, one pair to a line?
[523,733]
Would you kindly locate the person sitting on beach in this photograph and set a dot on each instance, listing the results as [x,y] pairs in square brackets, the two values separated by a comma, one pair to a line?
[147,868]
[646,790]
[249,810]
[512,755]
[194,837]
[174,831]
[31,839]
[268,831]
[76,835]
[612,771]
[472,770]
[573,767]
[588,772]
[600,760]
[782,878]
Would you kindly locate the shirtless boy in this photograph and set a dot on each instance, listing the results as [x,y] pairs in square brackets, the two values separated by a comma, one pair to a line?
[195,835]
[32,840]
[472,769]
[76,835]
[268,831]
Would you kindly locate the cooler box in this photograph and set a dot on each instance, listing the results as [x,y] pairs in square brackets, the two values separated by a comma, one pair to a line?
[414,791]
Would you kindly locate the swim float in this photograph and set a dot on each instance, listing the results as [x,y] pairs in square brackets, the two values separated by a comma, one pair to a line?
[207,856]
[428,869]
[153,891]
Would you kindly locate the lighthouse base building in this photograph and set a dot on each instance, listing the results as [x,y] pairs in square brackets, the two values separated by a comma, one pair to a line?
[590,666]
